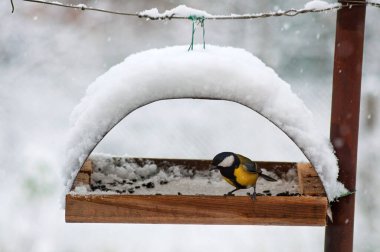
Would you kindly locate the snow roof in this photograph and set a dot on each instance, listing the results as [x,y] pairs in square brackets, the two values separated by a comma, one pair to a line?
[225,73]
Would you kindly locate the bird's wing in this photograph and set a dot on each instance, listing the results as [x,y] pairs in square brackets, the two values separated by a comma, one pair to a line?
[247,164]
[267,178]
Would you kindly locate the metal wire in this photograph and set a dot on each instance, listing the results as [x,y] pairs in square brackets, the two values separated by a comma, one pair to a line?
[287,13]
[13,6]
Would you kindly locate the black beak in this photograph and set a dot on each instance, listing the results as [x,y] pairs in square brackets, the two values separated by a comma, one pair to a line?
[213,167]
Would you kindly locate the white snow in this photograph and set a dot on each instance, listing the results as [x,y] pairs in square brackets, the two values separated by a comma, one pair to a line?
[122,175]
[56,2]
[81,5]
[179,11]
[319,5]
[82,189]
[218,72]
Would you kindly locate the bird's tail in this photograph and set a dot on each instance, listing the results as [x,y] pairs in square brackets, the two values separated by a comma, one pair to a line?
[267,178]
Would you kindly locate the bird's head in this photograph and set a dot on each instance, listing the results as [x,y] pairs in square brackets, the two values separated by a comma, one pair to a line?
[224,160]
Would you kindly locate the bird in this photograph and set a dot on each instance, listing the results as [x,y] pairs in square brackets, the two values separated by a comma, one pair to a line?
[239,171]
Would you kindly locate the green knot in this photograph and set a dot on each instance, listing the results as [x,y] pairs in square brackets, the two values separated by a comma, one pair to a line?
[197,20]
[195,17]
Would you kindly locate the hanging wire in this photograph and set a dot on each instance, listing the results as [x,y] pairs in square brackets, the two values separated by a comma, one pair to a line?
[82,7]
[287,13]
[13,7]
[200,20]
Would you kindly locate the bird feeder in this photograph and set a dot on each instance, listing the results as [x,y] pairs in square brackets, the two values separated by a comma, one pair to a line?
[239,77]
[278,210]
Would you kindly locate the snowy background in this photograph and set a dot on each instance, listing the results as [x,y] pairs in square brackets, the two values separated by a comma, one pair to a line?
[48,57]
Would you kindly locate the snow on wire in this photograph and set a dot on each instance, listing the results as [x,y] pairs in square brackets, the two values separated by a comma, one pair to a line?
[184,12]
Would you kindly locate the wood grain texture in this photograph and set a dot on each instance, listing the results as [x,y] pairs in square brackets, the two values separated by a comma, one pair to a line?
[84,175]
[87,167]
[82,179]
[345,114]
[172,209]
[309,182]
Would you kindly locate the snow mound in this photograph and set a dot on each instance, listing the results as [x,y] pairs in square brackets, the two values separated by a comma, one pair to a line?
[180,11]
[219,73]
[320,5]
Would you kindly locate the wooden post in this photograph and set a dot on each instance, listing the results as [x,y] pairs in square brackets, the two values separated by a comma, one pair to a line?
[345,121]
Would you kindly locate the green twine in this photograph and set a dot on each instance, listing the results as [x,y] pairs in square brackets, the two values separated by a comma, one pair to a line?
[191,47]
[197,20]
[204,32]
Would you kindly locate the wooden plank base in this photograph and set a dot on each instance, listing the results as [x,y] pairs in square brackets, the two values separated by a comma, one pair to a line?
[183,209]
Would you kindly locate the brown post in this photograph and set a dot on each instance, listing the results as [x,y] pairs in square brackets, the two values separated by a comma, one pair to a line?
[345,121]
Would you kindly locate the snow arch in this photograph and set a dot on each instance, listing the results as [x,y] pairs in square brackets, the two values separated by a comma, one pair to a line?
[217,73]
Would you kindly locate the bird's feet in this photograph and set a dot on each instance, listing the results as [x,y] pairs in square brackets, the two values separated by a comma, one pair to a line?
[252,196]
[229,194]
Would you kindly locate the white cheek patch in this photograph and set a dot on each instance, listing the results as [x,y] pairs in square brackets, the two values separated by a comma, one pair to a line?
[227,162]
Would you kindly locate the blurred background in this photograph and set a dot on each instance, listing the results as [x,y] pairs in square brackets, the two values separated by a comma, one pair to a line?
[48,57]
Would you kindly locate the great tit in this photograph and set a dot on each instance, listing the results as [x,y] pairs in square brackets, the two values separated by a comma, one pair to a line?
[239,171]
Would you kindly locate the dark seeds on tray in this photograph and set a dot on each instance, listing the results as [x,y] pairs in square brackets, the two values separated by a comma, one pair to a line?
[150,185]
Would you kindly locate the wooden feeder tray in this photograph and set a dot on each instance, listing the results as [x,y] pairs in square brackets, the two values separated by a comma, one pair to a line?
[306,209]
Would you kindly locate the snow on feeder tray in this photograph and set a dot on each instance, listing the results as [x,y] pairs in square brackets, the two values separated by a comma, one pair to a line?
[109,189]
[173,73]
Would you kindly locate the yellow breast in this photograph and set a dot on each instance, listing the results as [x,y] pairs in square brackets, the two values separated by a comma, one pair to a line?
[229,181]
[244,178]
